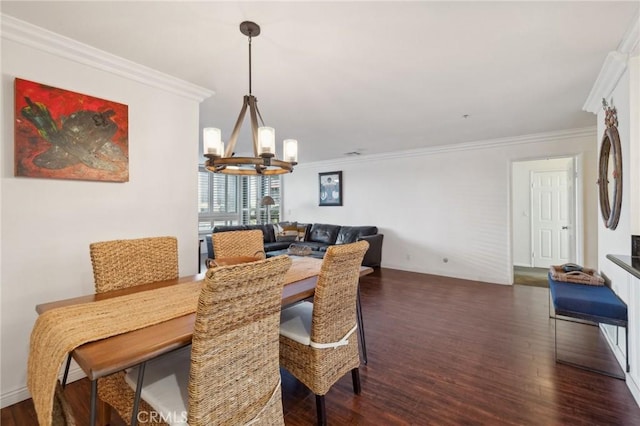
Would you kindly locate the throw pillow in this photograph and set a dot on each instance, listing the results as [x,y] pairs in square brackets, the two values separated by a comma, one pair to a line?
[286,231]
[302,230]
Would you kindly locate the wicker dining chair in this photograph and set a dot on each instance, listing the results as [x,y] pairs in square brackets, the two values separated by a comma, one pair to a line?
[62,414]
[318,341]
[231,375]
[228,261]
[238,243]
[120,264]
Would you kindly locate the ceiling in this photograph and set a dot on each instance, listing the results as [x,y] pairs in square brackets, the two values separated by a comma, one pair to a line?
[370,77]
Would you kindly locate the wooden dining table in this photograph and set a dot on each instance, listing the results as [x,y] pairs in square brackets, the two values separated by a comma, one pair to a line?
[107,356]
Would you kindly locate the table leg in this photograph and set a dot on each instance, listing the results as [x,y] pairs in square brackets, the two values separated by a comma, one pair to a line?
[94,393]
[363,343]
[66,371]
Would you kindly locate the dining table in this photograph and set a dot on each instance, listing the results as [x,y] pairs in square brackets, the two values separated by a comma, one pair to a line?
[109,355]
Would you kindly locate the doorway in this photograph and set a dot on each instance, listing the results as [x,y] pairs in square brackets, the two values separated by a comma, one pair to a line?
[546,224]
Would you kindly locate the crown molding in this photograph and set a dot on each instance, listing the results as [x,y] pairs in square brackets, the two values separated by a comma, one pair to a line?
[588,132]
[631,39]
[39,38]
[613,68]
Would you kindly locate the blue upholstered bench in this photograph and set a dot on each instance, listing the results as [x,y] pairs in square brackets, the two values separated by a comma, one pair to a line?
[597,304]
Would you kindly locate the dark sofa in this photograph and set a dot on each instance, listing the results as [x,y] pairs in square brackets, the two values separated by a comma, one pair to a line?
[317,236]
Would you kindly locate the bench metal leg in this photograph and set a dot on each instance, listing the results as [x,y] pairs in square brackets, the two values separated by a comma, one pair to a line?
[582,366]
[626,346]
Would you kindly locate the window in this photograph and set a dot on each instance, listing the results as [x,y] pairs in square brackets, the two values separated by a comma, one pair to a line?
[234,200]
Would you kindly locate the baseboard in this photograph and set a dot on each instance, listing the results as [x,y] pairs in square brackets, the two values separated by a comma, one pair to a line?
[446,273]
[21,394]
[620,357]
[633,387]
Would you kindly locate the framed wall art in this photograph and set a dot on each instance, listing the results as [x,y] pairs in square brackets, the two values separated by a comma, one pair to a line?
[330,193]
[61,134]
[610,170]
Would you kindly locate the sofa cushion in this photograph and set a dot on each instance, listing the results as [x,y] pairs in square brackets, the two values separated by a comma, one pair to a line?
[595,303]
[276,245]
[350,234]
[323,233]
[269,234]
[303,231]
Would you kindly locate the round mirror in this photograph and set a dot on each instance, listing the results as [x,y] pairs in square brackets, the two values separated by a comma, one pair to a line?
[610,177]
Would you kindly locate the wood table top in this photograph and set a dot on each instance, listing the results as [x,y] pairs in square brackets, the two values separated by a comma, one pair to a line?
[113,354]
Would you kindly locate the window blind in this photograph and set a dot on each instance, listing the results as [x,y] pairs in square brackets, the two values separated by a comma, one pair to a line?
[233,200]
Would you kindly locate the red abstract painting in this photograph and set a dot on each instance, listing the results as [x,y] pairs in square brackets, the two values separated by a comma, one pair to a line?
[61,134]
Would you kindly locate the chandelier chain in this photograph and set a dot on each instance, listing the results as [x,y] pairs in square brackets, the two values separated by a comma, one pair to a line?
[249,63]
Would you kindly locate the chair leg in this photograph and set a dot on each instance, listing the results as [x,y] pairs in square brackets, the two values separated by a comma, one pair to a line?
[363,343]
[320,410]
[136,398]
[355,376]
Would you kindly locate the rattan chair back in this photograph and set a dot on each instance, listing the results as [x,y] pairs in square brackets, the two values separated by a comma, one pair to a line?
[235,377]
[333,348]
[121,264]
[62,412]
[238,243]
[334,301]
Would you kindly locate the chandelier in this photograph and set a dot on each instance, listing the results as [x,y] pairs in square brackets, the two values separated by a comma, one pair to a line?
[264,161]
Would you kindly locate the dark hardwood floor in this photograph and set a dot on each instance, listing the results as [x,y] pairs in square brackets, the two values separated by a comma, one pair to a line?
[445,351]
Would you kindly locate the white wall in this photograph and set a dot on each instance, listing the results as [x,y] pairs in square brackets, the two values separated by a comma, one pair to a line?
[624,98]
[451,203]
[47,225]
[521,202]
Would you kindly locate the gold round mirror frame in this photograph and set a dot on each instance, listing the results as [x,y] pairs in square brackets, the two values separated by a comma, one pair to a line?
[610,152]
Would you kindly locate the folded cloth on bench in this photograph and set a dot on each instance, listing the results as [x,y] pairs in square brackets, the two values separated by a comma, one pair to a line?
[585,276]
[596,303]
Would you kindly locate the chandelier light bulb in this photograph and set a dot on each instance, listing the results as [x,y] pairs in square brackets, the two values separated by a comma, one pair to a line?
[212,141]
[290,150]
[267,141]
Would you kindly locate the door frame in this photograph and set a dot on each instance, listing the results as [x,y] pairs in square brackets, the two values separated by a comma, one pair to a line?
[578,205]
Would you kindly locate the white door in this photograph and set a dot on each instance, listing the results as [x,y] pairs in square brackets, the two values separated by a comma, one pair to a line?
[550,218]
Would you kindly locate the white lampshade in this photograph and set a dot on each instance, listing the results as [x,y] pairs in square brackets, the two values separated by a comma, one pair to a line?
[212,141]
[290,150]
[266,140]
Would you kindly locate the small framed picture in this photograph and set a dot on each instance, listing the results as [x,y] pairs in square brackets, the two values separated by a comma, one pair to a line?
[330,193]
